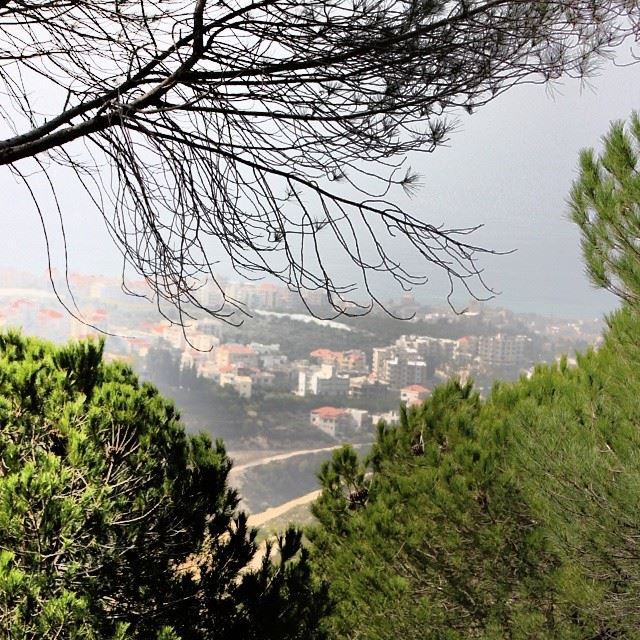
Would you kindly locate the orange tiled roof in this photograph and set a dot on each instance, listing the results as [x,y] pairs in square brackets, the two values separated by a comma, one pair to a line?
[322,353]
[235,348]
[52,314]
[417,388]
[328,412]
[156,328]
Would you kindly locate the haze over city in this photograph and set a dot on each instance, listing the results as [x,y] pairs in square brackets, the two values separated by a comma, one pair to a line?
[509,167]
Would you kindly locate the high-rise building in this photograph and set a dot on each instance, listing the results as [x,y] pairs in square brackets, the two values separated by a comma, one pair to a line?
[504,350]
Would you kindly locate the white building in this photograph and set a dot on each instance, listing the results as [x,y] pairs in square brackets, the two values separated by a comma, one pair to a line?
[390,417]
[379,358]
[330,420]
[401,373]
[322,381]
[428,347]
[241,383]
[414,394]
[400,365]
[504,350]
[340,422]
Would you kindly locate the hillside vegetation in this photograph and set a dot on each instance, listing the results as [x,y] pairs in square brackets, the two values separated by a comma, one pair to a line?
[116,525]
[517,516]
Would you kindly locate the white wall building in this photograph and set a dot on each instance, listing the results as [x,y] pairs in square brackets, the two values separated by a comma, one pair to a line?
[241,383]
[504,350]
[322,381]
[401,373]
[340,422]
[414,394]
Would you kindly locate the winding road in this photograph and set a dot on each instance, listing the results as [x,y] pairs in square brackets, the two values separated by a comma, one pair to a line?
[281,456]
[258,519]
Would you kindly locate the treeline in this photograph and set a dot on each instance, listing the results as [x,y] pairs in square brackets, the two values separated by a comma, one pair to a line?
[297,339]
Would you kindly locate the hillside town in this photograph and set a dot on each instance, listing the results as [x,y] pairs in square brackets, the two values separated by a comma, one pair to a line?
[344,391]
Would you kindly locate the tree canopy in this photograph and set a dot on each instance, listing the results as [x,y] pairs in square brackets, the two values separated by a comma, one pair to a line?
[116,524]
[605,204]
[516,516]
[271,134]
[511,517]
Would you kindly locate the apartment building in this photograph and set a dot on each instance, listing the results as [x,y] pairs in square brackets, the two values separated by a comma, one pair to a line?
[504,350]
[399,366]
[322,381]
[239,355]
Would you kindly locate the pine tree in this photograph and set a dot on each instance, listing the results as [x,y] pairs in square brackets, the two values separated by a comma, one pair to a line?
[518,516]
[439,550]
[116,524]
[605,204]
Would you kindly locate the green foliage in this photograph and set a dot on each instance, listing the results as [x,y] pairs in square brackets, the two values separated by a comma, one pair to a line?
[438,550]
[515,517]
[518,516]
[115,524]
[605,204]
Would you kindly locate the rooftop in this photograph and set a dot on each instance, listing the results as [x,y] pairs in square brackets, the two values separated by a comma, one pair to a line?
[235,348]
[416,388]
[328,412]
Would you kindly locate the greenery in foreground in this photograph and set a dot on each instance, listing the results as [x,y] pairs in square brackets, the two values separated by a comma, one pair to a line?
[519,519]
[518,516]
[512,517]
[115,524]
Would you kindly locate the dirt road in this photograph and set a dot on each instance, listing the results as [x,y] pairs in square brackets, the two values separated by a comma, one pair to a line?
[280,456]
[258,519]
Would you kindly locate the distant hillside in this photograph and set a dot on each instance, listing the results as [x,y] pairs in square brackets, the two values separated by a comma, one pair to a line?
[277,519]
[270,485]
[367,332]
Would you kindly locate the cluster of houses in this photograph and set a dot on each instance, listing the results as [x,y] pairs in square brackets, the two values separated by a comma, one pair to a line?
[417,359]
[407,366]
[403,371]
[333,377]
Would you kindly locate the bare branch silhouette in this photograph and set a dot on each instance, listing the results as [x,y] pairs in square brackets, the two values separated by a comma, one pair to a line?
[261,132]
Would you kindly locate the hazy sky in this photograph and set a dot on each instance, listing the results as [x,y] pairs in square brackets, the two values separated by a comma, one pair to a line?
[510,166]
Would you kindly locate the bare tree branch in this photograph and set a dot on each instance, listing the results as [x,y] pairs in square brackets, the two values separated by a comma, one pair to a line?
[268,133]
